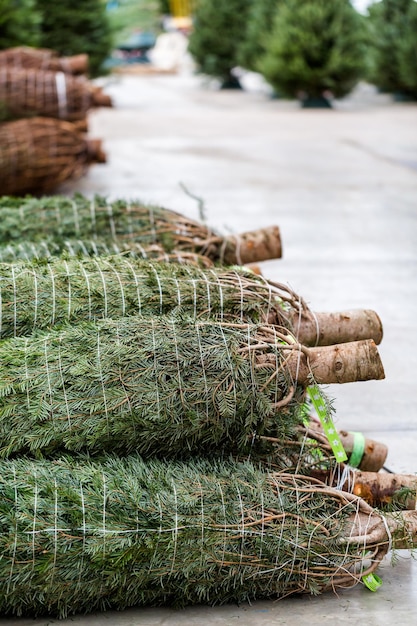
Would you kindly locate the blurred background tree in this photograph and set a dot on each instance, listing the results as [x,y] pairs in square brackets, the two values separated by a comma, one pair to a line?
[19,23]
[316,49]
[216,36]
[407,53]
[77,26]
[393,52]
[127,17]
[260,20]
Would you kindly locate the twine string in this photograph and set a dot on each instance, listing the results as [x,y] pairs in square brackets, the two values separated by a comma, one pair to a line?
[109,208]
[53,293]
[76,218]
[88,286]
[158,405]
[120,282]
[93,217]
[69,293]
[64,389]
[103,282]
[16,529]
[175,530]
[101,377]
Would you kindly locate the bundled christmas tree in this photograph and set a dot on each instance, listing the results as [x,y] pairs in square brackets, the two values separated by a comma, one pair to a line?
[214,40]
[59,218]
[26,57]
[38,154]
[79,536]
[30,92]
[162,385]
[37,295]
[316,48]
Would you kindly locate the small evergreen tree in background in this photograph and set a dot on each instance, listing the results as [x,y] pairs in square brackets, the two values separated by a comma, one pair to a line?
[316,48]
[76,26]
[214,41]
[407,52]
[19,23]
[393,39]
[259,24]
[164,7]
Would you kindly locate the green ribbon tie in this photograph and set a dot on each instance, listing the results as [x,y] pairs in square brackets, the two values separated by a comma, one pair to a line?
[327,423]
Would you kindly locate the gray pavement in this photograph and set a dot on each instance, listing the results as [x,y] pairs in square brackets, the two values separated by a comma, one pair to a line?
[342,186]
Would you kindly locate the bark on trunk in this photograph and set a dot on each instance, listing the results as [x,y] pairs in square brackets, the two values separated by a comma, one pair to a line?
[374,452]
[342,363]
[252,247]
[325,329]
[398,531]
[379,489]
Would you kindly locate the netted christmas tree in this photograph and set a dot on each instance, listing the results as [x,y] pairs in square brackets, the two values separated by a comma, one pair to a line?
[163,385]
[59,218]
[316,50]
[38,295]
[214,40]
[83,535]
[30,92]
[20,57]
[38,154]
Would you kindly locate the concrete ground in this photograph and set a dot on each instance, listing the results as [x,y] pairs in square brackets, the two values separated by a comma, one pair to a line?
[342,186]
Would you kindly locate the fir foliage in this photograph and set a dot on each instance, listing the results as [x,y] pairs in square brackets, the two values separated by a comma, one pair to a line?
[52,220]
[79,26]
[316,47]
[407,52]
[259,25]
[214,40]
[38,295]
[79,536]
[393,49]
[19,23]
[48,248]
[156,385]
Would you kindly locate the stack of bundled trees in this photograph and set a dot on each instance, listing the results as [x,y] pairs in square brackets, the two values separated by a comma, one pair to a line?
[157,440]
[43,114]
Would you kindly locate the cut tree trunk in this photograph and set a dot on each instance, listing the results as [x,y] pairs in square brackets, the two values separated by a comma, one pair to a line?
[343,363]
[382,489]
[326,329]
[396,530]
[374,452]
